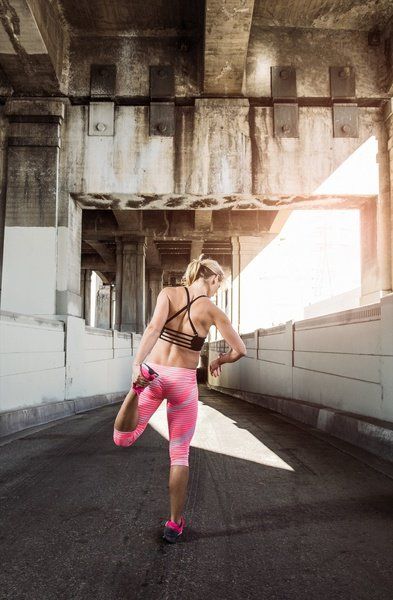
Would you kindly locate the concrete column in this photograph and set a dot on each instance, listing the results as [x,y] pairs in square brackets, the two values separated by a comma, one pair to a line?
[370,276]
[133,302]
[235,288]
[86,294]
[103,307]
[249,247]
[155,285]
[118,283]
[31,213]
[385,159]
[112,306]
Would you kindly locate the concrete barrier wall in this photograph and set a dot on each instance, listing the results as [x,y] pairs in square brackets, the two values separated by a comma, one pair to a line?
[343,361]
[32,361]
[52,368]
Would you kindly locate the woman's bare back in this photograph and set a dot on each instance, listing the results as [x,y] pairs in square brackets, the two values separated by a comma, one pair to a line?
[167,353]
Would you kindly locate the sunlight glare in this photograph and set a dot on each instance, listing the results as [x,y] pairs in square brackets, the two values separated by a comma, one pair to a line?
[217,433]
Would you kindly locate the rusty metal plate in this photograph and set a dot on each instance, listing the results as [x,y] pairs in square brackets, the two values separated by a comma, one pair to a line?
[283,81]
[162,118]
[162,82]
[101,118]
[286,120]
[345,120]
[342,82]
[103,80]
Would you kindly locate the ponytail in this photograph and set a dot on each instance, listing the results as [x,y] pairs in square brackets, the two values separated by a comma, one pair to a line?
[202,267]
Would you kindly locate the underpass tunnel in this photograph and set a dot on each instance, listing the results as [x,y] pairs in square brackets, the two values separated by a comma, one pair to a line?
[134,137]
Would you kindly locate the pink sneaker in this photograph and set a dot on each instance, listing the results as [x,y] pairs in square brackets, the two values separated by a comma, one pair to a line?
[173,531]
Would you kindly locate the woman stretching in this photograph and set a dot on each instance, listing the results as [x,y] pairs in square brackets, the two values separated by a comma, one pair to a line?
[173,352]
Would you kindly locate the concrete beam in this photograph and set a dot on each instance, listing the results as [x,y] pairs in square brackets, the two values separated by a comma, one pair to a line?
[152,255]
[387,39]
[203,220]
[279,220]
[131,220]
[227,31]
[105,253]
[33,44]
[95,263]
[220,201]
[196,248]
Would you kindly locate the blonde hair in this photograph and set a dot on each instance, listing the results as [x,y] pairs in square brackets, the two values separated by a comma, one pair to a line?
[202,267]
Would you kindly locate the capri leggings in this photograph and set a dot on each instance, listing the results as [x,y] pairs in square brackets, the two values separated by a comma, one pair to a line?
[179,386]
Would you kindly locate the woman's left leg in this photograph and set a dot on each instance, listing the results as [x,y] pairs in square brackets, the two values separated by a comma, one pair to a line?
[182,412]
[146,404]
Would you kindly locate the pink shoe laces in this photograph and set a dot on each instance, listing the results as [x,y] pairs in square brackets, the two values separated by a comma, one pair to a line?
[175,526]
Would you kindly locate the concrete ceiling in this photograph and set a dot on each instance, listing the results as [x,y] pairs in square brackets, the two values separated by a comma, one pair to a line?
[108,17]
[41,42]
[360,15]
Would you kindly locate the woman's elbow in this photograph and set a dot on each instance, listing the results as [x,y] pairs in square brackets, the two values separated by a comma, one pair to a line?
[242,350]
[153,327]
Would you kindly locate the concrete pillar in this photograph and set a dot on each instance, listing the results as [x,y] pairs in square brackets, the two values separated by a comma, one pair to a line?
[155,285]
[31,214]
[370,275]
[86,294]
[118,283]
[103,307]
[385,159]
[244,249]
[112,306]
[133,302]
[235,288]
[376,222]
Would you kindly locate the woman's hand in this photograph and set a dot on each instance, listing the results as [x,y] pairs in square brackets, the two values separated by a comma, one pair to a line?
[137,376]
[215,366]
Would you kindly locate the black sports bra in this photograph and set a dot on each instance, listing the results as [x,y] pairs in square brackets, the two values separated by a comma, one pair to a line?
[186,340]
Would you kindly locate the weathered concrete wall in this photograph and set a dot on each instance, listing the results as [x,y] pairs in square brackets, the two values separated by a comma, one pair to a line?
[220,146]
[312,52]
[132,57]
[342,361]
[301,165]
[3,185]
[131,160]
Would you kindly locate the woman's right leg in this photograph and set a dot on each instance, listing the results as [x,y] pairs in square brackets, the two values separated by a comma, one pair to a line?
[147,403]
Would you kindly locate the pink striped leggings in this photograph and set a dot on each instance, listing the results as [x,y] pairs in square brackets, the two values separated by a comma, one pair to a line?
[179,386]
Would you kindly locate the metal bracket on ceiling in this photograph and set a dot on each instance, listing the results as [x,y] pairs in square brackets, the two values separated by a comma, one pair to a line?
[162,109]
[285,107]
[102,108]
[343,94]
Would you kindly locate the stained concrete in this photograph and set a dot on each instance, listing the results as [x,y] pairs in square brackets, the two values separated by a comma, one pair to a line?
[273,511]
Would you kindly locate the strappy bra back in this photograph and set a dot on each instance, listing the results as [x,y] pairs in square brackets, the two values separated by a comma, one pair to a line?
[186,340]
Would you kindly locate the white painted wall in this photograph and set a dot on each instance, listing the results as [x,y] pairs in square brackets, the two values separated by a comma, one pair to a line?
[44,361]
[29,270]
[343,361]
[32,367]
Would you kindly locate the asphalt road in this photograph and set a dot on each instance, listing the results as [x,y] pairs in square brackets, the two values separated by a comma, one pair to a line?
[275,510]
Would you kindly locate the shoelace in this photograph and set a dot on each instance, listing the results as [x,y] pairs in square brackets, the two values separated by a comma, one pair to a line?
[175,526]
